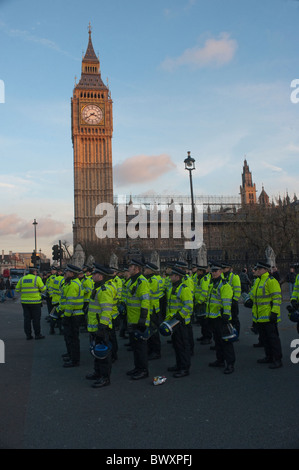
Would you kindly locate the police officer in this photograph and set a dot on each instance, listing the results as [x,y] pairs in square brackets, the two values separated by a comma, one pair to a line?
[71,304]
[295,296]
[266,300]
[218,305]
[154,342]
[117,285]
[99,323]
[180,306]
[87,284]
[200,296]
[235,283]
[123,303]
[188,280]
[138,317]
[56,291]
[31,286]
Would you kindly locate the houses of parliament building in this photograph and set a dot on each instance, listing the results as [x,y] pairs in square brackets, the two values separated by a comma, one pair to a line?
[224,218]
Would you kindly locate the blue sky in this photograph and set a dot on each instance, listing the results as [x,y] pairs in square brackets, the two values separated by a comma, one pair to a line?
[208,76]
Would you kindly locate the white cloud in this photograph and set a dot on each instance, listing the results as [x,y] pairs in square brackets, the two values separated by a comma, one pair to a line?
[293,148]
[271,167]
[142,168]
[215,52]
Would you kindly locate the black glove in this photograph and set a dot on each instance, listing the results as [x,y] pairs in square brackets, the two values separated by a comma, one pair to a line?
[101,334]
[248,303]
[294,304]
[290,308]
[122,309]
[142,320]
[273,317]
[225,318]
[178,316]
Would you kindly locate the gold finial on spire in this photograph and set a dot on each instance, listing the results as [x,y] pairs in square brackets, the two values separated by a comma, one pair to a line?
[75,80]
[89,28]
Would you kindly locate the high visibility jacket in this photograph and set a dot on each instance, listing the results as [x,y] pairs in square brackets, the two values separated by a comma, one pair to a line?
[266,297]
[202,288]
[88,285]
[295,293]
[161,282]
[100,307]
[166,284]
[30,287]
[138,297]
[219,299]
[179,300]
[154,286]
[116,286]
[49,284]
[124,291]
[72,298]
[56,289]
[188,280]
[235,282]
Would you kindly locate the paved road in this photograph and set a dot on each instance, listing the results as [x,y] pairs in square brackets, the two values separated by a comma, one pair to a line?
[44,406]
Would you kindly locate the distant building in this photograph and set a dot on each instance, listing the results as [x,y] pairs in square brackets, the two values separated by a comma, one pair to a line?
[248,189]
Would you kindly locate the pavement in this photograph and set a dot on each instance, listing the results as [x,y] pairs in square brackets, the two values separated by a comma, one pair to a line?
[44,406]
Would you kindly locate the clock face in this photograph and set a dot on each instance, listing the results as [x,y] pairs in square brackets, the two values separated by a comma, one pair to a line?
[92,114]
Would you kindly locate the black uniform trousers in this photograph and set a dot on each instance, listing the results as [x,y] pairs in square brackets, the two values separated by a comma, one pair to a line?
[140,353]
[102,367]
[269,338]
[32,315]
[113,338]
[235,315]
[225,351]
[203,321]
[154,342]
[71,328]
[182,346]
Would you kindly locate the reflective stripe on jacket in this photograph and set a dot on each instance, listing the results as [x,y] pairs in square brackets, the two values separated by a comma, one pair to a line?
[72,298]
[30,287]
[235,283]
[179,300]
[116,286]
[202,289]
[154,286]
[87,284]
[295,293]
[138,297]
[219,299]
[100,308]
[266,297]
[56,289]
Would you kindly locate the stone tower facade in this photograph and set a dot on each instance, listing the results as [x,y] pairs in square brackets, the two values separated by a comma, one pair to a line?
[248,189]
[92,129]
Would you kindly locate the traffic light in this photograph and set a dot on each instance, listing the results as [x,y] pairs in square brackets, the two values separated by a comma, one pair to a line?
[33,258]
[55,252]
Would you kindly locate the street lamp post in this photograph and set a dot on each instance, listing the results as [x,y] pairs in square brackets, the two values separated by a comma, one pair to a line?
[190,166]
[35,246]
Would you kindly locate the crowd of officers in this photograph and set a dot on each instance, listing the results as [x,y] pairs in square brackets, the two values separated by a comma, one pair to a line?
[136,300]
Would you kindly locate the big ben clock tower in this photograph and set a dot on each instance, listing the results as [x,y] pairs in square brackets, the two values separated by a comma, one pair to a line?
[92,128]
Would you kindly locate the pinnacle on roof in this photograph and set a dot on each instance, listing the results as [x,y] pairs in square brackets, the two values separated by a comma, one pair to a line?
[90,54]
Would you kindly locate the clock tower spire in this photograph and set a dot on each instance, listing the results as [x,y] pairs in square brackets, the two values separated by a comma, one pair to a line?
[92,129]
